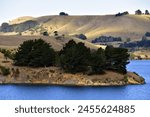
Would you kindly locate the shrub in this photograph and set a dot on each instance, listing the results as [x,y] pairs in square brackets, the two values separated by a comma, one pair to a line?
[45,33]
[74,57]
[35,53]
[55,33]
[5,71]
[81,36]
[7,54]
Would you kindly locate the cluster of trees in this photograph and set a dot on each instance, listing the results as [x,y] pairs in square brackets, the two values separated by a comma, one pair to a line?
[106,39]
[121,14]
[139,12]
[74,57]
[144,43]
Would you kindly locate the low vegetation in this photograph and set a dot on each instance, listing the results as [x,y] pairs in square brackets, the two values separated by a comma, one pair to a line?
[7,53]
[122,14]
[107,39]
[73,58]
[45,33]
[4,71]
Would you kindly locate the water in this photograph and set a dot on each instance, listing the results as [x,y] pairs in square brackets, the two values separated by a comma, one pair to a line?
[131,92]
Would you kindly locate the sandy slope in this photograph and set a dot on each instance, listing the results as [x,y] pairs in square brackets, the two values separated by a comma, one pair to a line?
[133,26]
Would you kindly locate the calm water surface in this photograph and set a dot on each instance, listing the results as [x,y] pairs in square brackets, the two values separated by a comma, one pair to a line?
[131,92]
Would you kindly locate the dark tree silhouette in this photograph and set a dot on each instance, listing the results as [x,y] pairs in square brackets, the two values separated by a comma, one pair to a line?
[35,53]
[147,12]
[45,33]
[74,57]
[63,14]
[138,12]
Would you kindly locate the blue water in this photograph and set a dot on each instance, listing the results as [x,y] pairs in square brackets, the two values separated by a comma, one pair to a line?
[131,92]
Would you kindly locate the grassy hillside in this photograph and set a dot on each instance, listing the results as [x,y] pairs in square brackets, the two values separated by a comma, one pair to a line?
[14,41]
[129,26]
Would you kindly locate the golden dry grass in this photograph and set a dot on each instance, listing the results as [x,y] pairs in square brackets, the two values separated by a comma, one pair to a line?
[133,26]
[10,42]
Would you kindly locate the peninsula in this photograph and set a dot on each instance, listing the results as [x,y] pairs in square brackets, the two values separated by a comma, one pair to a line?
[36,62]
[74,50]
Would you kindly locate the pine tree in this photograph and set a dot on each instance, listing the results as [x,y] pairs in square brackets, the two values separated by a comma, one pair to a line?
[74,57]
[35,53]
[98,61]
[117,59]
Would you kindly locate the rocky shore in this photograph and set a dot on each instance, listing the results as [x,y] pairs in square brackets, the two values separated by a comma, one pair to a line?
[56,76]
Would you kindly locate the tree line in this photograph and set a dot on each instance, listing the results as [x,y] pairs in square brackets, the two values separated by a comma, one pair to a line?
[73,58]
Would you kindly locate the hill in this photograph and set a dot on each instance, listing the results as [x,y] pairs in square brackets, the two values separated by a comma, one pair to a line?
[127,26]
[10,42]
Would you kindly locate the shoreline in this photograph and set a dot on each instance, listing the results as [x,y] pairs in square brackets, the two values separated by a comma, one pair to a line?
[53,76]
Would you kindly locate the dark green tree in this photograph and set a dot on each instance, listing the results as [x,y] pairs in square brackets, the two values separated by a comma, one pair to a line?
[117,59]
[147,12]
[138,12]
[98,61]
[74,57]
[35,53]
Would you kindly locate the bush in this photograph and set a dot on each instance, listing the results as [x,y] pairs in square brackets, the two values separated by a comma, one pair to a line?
[35,53]
[55,33]
[7,54]
[45,33]
[81,36]
[5,71]
[74,57]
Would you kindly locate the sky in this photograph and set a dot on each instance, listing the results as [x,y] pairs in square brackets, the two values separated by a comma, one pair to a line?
[11,9]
